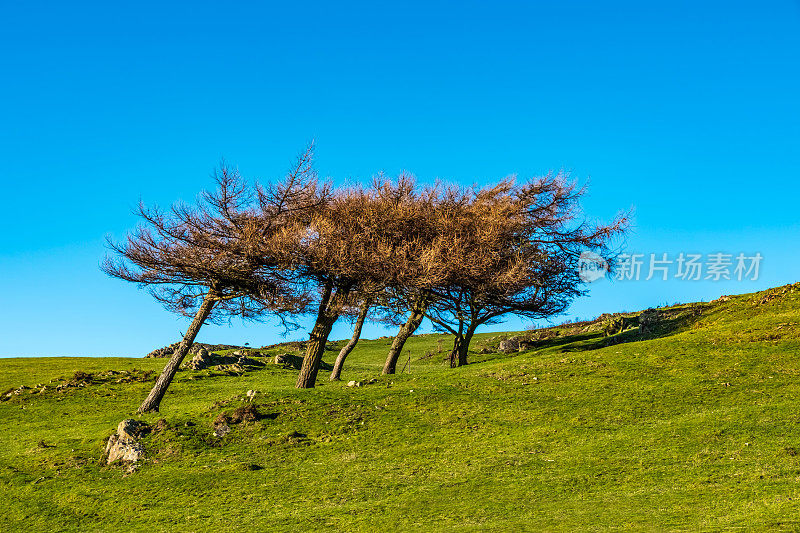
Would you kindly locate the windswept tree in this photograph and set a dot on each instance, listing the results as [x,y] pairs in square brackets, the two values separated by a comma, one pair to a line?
[362,241]
[204,261]
[411,304]
[363,311]
[514,249]
[446,212]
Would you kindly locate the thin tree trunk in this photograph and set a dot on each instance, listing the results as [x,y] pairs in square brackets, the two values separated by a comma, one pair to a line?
[454,353]
[458,355]
[326,316]
[362,316]
[406,330]
[153,400]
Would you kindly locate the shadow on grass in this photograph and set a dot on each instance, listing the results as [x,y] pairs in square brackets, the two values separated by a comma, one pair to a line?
[580,342]
[296,362]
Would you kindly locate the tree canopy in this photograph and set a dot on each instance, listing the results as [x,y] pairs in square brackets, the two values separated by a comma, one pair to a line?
[461,257]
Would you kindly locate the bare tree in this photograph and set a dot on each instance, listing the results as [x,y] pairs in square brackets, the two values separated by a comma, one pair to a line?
[204,260]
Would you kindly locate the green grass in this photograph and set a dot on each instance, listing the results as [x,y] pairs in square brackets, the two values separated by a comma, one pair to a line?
[692,427]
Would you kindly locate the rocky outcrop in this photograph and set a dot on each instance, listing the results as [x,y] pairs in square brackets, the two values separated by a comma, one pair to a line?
[167,351]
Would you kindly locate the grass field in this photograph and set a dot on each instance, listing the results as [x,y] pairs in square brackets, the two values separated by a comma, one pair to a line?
[693,426]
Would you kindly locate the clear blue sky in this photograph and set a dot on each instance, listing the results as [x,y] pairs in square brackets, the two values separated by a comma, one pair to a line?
[687,111]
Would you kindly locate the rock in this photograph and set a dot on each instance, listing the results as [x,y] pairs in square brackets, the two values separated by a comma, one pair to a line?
[235,368]
[509,345]
[353,383]
[201,360]
[167,351]
[124,445]
[647,320]
[221,430]
[132,429]
[525,346]
[123,449]
[251,394]
[282,359]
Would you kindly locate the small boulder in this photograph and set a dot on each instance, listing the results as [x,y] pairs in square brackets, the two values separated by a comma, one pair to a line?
[123,449]
[509,345]
[526,345]
[123,445]
[132,429]
[353,383]
[201,360]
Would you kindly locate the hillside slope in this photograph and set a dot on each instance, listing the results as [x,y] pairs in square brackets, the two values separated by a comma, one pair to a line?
[687,421]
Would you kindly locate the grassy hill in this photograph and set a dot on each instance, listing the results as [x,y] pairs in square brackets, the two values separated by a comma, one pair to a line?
[690,424]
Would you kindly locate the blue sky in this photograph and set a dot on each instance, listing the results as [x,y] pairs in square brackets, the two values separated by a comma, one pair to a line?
[686,111]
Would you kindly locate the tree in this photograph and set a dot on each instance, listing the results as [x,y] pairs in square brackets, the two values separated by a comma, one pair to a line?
[514,249]
[202,261]
[445,214]
[336,373]
[362,241]
[416,314]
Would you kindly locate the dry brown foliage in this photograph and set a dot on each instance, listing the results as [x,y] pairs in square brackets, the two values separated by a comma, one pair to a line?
[512,248]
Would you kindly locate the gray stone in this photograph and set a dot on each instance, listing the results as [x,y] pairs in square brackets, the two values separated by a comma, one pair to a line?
[123,445]
[123,449]
[132,429]
[201,360]
[509,345]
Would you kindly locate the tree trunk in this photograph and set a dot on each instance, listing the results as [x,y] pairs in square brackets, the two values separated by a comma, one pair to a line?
[153,400]
[454,353]
[406,330]
[362,316]
[458,355]
[326,316]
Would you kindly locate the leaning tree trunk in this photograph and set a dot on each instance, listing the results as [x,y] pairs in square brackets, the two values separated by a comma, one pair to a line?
[458,355]
[326,316]
[337,366]
[455,352]
[153,399]
[406,330]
